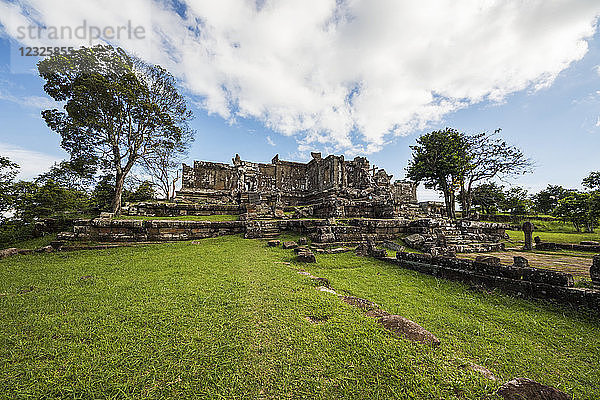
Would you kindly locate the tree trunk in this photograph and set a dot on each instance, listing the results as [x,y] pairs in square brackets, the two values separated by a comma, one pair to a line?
[449,199]
[464,202]
[452,205]
[116,203]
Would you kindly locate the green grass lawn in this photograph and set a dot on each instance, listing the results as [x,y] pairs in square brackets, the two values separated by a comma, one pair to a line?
[226,319]
[556,237]
[34,243]
[184,218]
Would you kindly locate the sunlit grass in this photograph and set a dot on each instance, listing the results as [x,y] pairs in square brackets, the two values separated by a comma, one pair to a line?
[226,319]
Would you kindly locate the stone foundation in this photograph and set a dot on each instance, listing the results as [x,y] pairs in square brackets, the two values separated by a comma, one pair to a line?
[106,230]
[524,281]
[436,234]
[159,209]
[567,246]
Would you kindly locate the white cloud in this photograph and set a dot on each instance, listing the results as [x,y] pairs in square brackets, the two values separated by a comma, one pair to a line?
[37,102]
[598,122]
[32,163]
[597,68]
[270,141]
[346,75]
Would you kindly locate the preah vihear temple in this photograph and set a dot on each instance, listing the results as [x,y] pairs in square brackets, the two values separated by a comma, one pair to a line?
[337,205]
[334,201]
[331,186]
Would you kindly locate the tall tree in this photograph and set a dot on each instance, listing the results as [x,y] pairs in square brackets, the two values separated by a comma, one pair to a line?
[118,109]
[69,174]
[441,159]
[592,181]
[488,197]
[163,165]
[8,172]
[545,201]
[581,209]
[516,201]
[490,158]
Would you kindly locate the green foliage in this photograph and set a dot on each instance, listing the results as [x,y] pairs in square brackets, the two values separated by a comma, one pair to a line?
[74,174]
[104,191]
[490,158]
[441,159]
[581,209]
[144,192]
[8,172]
[592,181]
[13,231]
[488,197]
[546,201]
[516,201]
[33,200]
[118,109]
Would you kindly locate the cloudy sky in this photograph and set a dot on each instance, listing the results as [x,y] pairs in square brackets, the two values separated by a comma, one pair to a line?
[358,77]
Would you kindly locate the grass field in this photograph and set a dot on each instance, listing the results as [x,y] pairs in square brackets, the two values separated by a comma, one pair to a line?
[184,218]
[226,318]
[517,237]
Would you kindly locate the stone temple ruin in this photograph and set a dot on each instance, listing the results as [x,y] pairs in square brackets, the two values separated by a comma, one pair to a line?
[322,188]
[337,203]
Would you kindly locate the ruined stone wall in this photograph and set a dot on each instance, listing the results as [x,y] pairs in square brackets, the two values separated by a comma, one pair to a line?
[285,183]
[209,175]
[106,230]
[290,177]
[404,192]
[524,281]
[155,209]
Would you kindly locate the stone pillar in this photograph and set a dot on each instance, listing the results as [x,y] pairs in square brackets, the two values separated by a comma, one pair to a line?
[528,231]
[595,270]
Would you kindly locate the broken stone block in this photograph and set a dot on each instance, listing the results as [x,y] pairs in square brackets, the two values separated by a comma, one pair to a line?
[302,241]
[323,281]
[491,260]
[521,262]
[362,250]
[363,304]
[595,269]
[378,253]
[306,256]
[273,243]
[523,388]
[8,252]
[106,215]
[408,329]
[45,249]
[415,241]
[290,245]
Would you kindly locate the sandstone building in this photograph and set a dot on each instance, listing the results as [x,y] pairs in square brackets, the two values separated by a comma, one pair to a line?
[329,187]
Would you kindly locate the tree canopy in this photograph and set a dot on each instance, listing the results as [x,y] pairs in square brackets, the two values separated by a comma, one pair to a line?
[441,160]
[118,110]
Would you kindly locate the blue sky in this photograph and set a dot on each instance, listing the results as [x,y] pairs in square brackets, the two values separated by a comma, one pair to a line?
[351,87]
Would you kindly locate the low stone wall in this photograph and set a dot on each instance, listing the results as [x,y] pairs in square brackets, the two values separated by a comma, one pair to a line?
[155,209]
[525,281]
[107,230]
[567,246]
